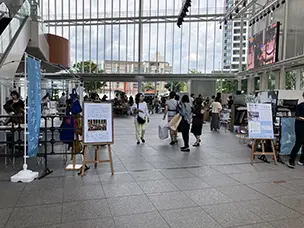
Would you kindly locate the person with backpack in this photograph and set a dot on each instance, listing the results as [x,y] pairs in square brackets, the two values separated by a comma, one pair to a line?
[141,117]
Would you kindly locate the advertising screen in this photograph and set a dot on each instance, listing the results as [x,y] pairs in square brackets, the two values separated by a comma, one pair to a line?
[263,47]
[271,44]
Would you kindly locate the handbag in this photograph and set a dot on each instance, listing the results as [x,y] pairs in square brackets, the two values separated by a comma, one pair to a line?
[163,130]
[175,121]
[140,120]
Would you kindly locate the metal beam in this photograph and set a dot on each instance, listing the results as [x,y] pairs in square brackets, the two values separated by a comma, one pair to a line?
[133,77]
[133,20]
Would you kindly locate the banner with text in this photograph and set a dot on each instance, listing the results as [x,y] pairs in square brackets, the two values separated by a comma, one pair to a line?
[34,105]
[260,122]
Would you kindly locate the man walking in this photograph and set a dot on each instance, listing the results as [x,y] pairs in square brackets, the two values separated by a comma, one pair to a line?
[299,130]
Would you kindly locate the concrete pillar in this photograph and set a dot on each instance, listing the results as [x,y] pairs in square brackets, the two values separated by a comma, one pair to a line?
[139,86]
[282,82]
[239,84]
[250,85]
[189,86]
[298,79]
[264,82]
[277,79]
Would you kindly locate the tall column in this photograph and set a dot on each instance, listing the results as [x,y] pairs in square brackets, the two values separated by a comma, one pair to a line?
[282,82]
[139,86]
[298,79]
[250,85]
[239,84]
[277,79]
[241,47]
[189,86]
[140,36]
[264,82]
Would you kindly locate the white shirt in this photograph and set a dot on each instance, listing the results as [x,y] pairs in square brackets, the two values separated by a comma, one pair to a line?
[143,107]
[216,107]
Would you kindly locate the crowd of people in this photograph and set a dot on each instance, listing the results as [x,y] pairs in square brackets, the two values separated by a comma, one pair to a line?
[191,111]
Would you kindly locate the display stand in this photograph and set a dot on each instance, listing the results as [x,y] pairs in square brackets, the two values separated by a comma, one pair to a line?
[260,130]
[97,132]
[263,153]
[97,160]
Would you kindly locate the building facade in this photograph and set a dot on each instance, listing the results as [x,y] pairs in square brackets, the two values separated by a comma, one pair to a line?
[156,65]
[232,41]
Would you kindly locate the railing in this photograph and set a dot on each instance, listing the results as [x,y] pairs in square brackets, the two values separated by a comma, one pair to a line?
[13,27]
[12,140]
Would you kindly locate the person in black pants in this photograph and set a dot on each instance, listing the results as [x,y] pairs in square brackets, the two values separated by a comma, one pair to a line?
[299,130]
[185,111]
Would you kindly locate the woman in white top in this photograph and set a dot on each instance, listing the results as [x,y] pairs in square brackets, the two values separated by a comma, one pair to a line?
[141,117]
[215,119]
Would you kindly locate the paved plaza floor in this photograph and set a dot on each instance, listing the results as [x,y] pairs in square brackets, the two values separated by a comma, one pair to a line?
[157,186]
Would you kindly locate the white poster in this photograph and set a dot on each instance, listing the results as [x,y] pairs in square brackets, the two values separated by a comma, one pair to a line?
[97,123]
[260,123]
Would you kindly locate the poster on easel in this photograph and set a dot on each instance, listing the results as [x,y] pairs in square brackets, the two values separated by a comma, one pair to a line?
[260,122]
[98,123]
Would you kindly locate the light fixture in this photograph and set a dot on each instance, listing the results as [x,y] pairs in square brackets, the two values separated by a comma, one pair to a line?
[257,19]
[230,16]
[225,22]
[261,17]
[278,5]
[220,26]
[244,3]
[269,11]
[283,1]
[237,10]
[273,8]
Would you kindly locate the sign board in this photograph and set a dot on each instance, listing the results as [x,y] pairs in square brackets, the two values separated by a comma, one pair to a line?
[260,122]
[98,123]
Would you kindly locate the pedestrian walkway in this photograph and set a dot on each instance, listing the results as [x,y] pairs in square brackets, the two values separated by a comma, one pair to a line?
[157,186]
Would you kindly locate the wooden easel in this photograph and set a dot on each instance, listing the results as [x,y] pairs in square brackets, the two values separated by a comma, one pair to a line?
[254,152]
[97,160]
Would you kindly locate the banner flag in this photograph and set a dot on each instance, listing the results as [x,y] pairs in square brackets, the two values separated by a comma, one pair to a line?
[34,105]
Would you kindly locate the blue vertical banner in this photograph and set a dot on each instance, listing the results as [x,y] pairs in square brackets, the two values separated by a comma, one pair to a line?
[34,105]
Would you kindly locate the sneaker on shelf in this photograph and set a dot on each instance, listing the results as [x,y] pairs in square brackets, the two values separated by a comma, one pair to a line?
[291,165]
[300,163]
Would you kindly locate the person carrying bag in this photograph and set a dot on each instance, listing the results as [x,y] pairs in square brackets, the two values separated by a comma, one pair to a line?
[141,117]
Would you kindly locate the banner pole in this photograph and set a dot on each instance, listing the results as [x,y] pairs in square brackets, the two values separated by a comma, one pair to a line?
[25,175]
[25,113]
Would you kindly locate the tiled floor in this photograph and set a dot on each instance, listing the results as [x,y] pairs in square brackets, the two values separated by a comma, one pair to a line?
[157,186]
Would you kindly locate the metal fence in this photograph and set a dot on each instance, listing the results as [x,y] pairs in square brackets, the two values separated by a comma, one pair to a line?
[12,139]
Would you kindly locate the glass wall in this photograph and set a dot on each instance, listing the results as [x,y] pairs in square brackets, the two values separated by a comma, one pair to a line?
[114,44]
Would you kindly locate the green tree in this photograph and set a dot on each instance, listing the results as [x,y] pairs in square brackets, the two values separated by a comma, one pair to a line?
[90,67]
[290,80]
[176,86]
[148,86]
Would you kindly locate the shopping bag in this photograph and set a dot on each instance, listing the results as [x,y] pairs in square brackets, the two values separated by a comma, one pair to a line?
[163,130]
[173,124]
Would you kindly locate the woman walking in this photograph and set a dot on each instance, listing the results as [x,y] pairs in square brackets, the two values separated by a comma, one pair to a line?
[215,119]
[184,126]
[141,117]
[197,121]
[170,111]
